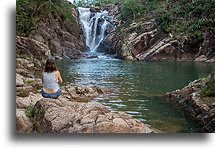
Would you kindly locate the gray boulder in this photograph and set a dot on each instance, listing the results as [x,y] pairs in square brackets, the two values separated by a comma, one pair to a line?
[80,93]
[63,116]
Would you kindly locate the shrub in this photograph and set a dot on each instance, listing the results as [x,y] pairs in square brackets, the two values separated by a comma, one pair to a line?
[65,12]
[29,12]
[132,9]
[32,112]
[28,81]
[29,111]
[24,22]
[208,92]
[164,21]
[24,56]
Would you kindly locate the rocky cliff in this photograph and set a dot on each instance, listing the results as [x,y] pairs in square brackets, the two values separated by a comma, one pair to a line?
[150,44]
[152,38]
[54,24]
[64,41]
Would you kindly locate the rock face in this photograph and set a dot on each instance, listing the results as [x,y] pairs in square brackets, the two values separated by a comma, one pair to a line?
[55,37]
[108,45]
[23,123]
[63,116]
[63,40]
[32,48]
[200,107]
[144,42]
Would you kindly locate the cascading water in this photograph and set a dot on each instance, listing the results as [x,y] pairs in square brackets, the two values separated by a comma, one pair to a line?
[94,26]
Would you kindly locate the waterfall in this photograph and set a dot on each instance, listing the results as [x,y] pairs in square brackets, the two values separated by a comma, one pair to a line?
[94,26]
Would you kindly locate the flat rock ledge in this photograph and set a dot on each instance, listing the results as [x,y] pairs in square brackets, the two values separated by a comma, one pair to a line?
[200,107]
[64,116]
[81,93]
[72,93]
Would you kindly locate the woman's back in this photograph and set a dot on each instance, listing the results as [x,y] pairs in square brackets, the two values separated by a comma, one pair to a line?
[51,77]
[50,81]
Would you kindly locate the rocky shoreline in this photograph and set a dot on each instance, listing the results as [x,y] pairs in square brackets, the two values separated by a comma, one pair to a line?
[63,116]
[71,112]
[193,102]
[35,114]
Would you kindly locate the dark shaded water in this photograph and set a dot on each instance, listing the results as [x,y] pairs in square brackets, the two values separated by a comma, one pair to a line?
[136,86]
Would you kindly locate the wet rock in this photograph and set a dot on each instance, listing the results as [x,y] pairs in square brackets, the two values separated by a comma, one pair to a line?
[95,9]
[72,53]
[201,58]
[117,56]
[91,56]
[212,60]
[128,58]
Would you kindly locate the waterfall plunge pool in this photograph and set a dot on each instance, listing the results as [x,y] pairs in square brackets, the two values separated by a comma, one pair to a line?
[136,88]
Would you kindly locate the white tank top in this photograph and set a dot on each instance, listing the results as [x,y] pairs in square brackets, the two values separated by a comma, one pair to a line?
[49,80]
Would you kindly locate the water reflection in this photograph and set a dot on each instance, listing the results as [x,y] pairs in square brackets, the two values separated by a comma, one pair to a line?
[136,86]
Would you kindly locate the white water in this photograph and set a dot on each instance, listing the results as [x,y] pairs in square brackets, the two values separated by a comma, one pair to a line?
[94,27]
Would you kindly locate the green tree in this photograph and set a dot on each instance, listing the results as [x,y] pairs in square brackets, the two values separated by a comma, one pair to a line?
[29,12]
[132,9]
[24,22]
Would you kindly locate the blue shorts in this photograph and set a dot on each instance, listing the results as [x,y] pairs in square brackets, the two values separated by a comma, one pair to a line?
[51,95]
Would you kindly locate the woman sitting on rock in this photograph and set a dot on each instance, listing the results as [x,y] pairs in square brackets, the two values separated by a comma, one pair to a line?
[51,79]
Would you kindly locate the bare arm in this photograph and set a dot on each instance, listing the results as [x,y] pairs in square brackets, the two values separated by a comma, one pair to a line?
[42,74]
[60,80]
